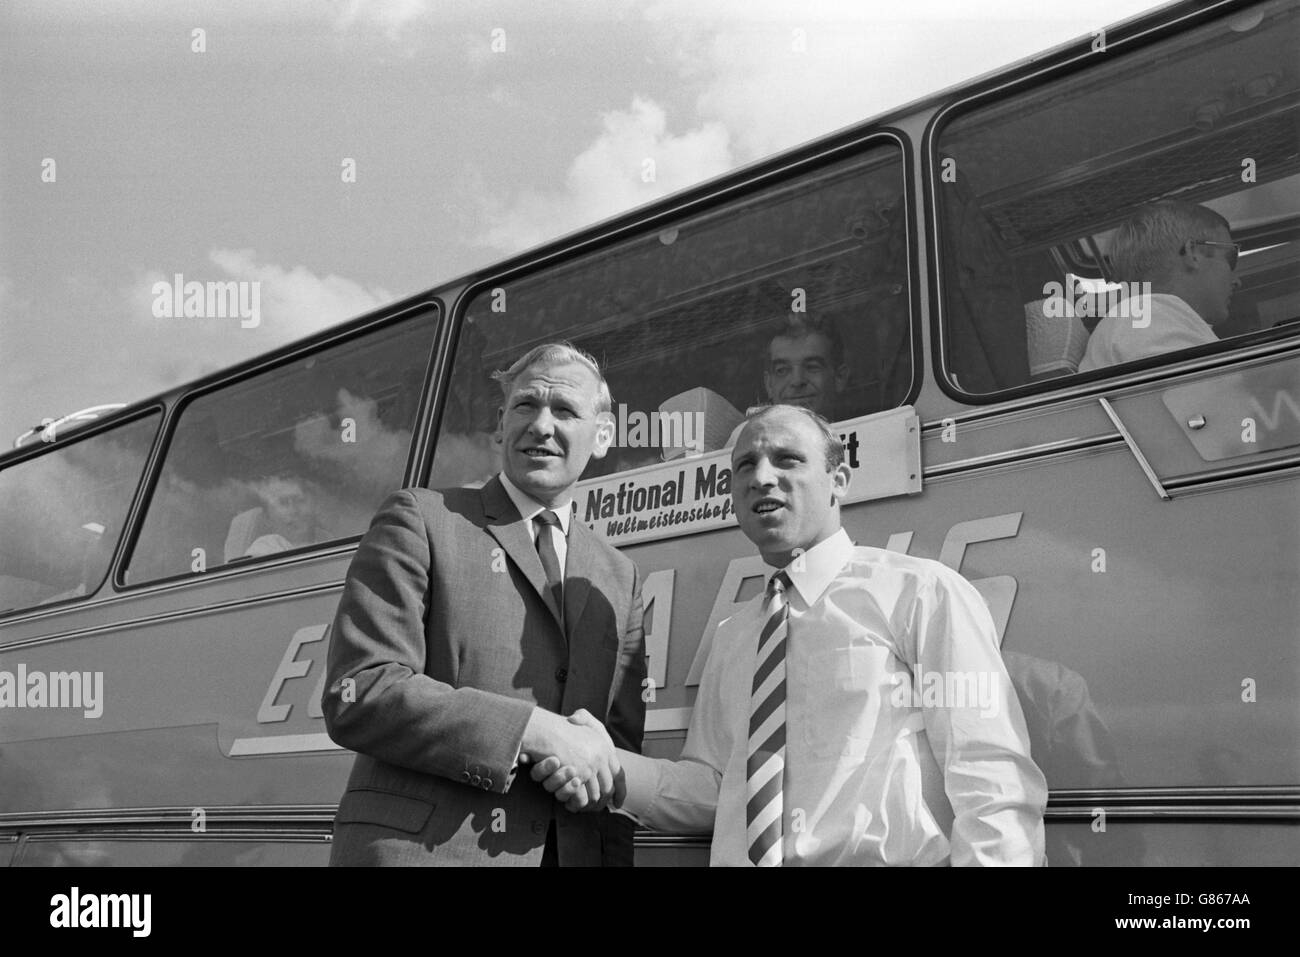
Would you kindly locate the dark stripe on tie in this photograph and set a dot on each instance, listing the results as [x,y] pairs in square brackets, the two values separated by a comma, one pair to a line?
[774,621]
[774,743]
[768,665]
[762,798]
[770,837]
[764,710]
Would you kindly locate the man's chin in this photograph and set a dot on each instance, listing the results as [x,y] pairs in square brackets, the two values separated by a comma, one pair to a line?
[766,538]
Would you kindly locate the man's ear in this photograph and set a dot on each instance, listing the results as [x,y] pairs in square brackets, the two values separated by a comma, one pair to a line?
[841,377]
[767,385]
[501,418]
[840,478]
[604,434]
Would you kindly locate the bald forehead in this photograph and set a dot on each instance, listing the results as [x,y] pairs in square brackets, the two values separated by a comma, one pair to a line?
[781,428]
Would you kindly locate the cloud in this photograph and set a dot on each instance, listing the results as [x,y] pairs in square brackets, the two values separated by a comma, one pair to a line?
[391,17]
[634,160]
[767,76]
[165,352]
[776,75]
[295,301]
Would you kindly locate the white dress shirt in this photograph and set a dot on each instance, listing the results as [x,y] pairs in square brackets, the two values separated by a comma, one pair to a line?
[1167,324]
[530,508]
[874,773]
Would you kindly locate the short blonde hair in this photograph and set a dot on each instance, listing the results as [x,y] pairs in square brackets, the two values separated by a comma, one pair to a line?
[1144,245]
[549,353]
[834,448]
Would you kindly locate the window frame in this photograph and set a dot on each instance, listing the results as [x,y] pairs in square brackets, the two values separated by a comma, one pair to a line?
[740,185]
[433,311]
[1074,59]
[119,419]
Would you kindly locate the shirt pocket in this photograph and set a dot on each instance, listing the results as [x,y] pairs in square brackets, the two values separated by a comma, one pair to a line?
[843,691]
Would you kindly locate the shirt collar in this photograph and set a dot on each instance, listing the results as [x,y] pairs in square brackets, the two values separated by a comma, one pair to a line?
[813,571]
[529,508]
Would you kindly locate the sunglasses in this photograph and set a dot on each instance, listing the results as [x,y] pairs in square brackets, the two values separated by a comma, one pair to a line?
[1232,255]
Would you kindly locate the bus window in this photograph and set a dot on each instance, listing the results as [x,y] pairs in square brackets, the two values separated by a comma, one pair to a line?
[62,511]
[296,456]
[798,291]
[1139,207]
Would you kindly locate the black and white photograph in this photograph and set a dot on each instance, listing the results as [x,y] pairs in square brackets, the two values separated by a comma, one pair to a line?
[650,433]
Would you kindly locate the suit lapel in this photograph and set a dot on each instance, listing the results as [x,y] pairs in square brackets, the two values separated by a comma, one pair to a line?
[507,527]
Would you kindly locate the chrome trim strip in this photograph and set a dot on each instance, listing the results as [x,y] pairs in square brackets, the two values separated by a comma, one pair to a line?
[1233,472]
[1025,452]
[1154,811]
[1205,794]
[176,834]
[220,573]
[1178,370]
[1242,802]
[1133,447]
[645,838]
[170,615]
[302,815]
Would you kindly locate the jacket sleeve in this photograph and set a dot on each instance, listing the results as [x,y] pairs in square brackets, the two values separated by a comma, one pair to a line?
[378,699]
[625,721]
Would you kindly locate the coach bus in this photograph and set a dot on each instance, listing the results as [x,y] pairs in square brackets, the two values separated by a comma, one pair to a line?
[169,572]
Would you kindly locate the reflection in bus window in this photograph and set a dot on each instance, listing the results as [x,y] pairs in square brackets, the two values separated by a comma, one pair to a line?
[61,514]
[297,456]
[1058,243]
[684,320]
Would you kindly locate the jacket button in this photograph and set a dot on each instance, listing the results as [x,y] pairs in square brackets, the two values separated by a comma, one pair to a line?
[475,780]
[539,827]
[561,675]
[487,784]
[464,776]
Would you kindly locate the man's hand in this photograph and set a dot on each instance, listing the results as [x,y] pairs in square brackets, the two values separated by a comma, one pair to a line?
[574,758]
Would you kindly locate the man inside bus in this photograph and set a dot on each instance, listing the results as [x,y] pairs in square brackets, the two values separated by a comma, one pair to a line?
[287,519]
[805,367]
[1186,254]
[810,742]
[471,620]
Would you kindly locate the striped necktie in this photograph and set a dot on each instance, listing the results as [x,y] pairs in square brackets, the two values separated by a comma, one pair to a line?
[765,804]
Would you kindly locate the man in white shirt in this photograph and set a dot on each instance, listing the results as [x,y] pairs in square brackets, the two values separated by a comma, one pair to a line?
[1185,256]
[859,713]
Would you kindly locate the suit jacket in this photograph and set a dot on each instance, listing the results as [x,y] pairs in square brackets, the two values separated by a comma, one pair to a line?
[442,644]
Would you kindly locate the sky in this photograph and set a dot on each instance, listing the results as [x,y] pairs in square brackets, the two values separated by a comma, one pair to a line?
[345,153]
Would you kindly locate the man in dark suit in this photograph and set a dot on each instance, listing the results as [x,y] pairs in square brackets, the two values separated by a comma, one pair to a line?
[472,619]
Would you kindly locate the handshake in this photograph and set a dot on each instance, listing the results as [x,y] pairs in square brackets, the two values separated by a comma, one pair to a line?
[574,759]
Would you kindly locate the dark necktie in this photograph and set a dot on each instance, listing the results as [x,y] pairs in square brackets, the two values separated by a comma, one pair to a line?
[545,520]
